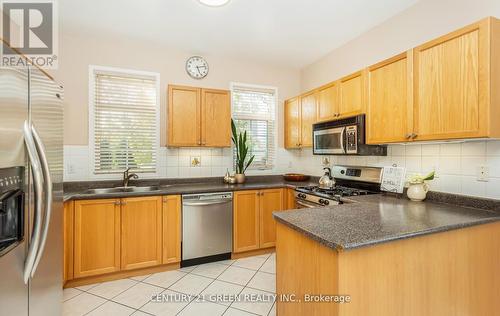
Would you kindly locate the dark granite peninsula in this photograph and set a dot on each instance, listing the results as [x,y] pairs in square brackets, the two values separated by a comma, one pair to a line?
[391,256]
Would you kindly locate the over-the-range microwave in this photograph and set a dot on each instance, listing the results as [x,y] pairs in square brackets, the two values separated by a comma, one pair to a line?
[345,136]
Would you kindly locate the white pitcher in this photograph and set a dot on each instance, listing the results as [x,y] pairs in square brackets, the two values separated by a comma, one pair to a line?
[417,191]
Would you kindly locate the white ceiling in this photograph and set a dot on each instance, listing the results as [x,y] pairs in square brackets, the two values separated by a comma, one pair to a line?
[290,33]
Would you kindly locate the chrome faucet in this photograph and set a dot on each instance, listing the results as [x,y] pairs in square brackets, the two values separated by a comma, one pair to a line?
[127,177]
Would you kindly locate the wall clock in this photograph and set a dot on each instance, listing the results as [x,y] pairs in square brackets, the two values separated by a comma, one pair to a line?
[197,67]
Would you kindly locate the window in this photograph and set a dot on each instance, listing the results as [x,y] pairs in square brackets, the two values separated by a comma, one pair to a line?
[124,120]
[254,111]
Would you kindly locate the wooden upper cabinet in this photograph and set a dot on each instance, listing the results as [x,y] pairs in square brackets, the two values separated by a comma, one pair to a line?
[184,116]
[198,117]
[246,221]
[171,228]
[328,101]
[270,201]
[141,225]
[352,91]
[292,123]
[216,118]
[96,237]
[308,116]
[389,106]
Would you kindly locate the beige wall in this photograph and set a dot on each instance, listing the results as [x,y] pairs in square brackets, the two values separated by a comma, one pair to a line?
[425,20]
[77,52]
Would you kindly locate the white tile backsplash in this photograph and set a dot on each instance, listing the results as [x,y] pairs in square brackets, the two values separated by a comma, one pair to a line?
[455,164]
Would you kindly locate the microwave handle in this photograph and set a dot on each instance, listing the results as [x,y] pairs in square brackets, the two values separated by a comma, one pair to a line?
[343,140]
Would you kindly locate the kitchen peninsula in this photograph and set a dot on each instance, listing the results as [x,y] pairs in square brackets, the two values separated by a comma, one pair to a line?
[391,256]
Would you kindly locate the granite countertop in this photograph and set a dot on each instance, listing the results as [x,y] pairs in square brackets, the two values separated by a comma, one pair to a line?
[367,220]
[76,191]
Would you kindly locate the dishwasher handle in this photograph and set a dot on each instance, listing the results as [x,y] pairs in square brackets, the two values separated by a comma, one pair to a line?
[206,203]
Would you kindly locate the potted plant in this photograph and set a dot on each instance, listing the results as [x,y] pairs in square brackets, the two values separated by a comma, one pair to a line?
[241,146]
[417,188]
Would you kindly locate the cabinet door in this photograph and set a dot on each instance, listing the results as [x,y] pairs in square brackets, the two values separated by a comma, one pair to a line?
[290,199]
[308,115]
[451,85]
[184,104]
[97,237]
[328,102]
[292,123]
[215,118]
[246,221]
[171,229]
[352,94]
[68,239]
[390,100]
[141,232]
[269,202]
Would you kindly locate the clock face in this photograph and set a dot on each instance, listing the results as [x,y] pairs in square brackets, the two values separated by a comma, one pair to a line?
[197,67]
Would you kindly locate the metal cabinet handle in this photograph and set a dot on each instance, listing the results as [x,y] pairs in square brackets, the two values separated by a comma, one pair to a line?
[118,203]
[413,136]
[37,183]
[408,136]
[48,196]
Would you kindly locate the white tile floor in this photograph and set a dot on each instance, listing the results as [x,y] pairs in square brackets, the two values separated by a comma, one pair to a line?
[247,276]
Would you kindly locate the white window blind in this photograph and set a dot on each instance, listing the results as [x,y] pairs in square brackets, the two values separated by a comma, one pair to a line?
[254,112]
[125,123]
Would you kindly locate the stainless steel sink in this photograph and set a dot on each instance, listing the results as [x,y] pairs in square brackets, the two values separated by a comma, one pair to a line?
[122,189]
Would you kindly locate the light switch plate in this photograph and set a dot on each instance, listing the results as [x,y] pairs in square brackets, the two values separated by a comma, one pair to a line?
[483,173]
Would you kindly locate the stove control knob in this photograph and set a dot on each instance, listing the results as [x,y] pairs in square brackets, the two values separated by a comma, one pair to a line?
[302,195]
[321,201]
[326,202]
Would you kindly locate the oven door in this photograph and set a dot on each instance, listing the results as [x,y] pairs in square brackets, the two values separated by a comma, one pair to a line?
[329,141]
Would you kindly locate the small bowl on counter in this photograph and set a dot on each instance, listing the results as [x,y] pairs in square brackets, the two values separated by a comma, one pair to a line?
[296,177]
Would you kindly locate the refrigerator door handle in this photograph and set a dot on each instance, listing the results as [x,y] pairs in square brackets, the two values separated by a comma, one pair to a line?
[38,183]
[48,196]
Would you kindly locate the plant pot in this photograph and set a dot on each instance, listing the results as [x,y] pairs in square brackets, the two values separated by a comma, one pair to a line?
[240,177]
[417,192]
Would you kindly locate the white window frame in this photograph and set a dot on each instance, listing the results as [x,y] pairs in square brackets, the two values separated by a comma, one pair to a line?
[93,69]
[232,85]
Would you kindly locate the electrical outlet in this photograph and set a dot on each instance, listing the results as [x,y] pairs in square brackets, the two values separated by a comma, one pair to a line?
[326,162]
[70,168]
[195,161]
[483,173]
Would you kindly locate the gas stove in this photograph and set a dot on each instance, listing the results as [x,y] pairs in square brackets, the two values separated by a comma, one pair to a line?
[350,181]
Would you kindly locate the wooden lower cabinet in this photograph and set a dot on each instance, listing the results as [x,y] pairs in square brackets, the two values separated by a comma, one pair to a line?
[246,221]
[171,229]
[289,199]
[141,232]
[253,224]
[269,201]
[110,235]
[68,236]
[96,237]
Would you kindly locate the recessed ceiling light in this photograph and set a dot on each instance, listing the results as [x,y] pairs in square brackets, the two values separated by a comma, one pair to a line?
[214,3]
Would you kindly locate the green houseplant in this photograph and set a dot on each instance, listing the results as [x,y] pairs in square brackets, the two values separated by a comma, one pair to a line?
[242,148]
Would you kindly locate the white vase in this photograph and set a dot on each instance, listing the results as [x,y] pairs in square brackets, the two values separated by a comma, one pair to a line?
[417,191]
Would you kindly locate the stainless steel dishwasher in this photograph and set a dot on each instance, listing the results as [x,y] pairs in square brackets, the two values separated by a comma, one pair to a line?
[207,227]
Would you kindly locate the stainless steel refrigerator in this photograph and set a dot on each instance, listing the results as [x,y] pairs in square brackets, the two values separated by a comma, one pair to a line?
[31,175]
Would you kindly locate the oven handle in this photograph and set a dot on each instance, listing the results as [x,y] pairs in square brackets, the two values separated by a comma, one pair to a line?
[38,188]
[48,196]
[305,204]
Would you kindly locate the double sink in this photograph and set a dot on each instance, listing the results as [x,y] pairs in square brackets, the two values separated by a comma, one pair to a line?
[122,189]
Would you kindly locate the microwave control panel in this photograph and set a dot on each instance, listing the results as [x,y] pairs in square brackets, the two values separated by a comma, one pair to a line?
[352,140]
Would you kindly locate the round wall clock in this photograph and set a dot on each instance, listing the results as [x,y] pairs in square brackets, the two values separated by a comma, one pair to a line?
[197,67]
